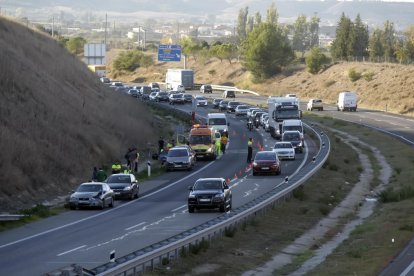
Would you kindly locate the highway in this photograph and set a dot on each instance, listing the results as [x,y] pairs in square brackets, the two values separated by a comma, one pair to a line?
[87,237]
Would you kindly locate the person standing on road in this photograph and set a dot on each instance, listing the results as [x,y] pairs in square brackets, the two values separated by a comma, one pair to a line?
[101,175]
[249,150]
[224,141]
[218,145]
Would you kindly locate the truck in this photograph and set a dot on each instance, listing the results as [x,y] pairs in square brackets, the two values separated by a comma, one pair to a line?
[218,122]
[347,100]
[202,141]
[179,77]
[279,109]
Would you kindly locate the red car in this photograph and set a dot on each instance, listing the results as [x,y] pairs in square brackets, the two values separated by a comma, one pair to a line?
[266,162]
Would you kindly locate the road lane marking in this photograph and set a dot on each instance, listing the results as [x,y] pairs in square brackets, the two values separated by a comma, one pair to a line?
[408,269]
[139,224]
[176,209]
[66,252]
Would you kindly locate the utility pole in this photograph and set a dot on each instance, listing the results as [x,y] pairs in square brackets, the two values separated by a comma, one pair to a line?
[106,24]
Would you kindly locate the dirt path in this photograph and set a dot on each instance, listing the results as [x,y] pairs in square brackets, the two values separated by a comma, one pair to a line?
[360,195]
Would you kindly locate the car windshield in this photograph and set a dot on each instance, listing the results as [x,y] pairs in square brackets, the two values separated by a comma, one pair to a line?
[162,93]
[89,188]
[177,153]
[299,128]
[224,102]
[119,179]
[200,98]
[265,156]
[234,103]
[283,145]
[217,121]
[207,185]
[291,137]
[187,96]
[200,139]
[242,107]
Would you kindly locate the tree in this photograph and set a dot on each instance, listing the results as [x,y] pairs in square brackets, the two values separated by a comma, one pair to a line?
[375,47]
[250,24]
[314,32]
[131,60]
[257,19]
[272,16]
[340,45]
[75,45]
[242,24]
[388,40]
[300,41]
[315,60]
[359,38]
[146,61]
[266,50]
[409,33]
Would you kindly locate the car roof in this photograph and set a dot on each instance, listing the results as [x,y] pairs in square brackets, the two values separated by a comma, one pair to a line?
[93,183]
[211,179]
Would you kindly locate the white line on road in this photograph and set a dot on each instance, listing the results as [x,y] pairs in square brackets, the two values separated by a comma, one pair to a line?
[408,269]
[74,249]
[139,224]
[176,209]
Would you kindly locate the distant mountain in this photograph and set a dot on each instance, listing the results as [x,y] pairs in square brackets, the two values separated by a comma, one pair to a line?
[372,12]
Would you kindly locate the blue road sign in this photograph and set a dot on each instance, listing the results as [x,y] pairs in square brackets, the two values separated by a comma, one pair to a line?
[168,52]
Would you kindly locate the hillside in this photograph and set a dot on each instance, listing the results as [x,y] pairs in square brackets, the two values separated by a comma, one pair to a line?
[391,84]
[57,121]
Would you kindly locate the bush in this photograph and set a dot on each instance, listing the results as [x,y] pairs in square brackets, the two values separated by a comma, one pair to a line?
[230,232]
[299,193]
[369,76]
[131,60]
[354,75]
[392,195]
[315,60]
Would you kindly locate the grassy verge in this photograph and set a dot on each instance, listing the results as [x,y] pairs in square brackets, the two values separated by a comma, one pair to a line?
[258,240]
[370,248]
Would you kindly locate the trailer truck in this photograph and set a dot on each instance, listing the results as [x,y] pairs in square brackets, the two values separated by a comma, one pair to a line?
[281,108]
[177,77]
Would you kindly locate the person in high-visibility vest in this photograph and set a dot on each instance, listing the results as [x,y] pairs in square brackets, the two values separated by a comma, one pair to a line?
[249,150]
[224,140]
[218,145]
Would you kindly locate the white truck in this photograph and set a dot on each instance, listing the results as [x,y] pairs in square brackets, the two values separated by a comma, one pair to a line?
[218,122]
[281,108]
[178,78]
[347,100]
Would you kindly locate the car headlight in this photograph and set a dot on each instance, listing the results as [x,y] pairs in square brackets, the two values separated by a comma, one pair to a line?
[127,188]
[210,149]
[254,164]
[191,196]
[221,195]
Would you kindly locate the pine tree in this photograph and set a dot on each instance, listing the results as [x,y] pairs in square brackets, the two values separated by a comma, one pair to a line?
[300,41]
[242,24]
[314,31]
[375,47]
[272,15]
[340,46]
[359,38]
[388,40]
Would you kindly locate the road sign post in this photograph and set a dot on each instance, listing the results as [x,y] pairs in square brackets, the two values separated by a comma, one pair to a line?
[167,52]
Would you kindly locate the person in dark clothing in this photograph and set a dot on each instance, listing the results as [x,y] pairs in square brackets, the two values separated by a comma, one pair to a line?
[249,150]
[94,174]
[132,158]
[101,175]
[160,145]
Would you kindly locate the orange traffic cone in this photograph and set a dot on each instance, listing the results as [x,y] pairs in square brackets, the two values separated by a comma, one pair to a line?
[235,176]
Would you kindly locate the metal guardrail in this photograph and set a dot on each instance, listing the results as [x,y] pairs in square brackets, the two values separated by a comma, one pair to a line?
[233,88]
[10,217]
[154,255]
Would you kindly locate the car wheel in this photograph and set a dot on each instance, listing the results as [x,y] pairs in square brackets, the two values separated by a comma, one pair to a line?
[137,194]
[190,209]
[102,204]
[132,196]
[223,208]
[230,204]
[72,207]
[111,204]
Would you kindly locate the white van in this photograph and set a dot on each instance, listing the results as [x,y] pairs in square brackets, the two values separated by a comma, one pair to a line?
[292,124]
[218,122]
[347,100]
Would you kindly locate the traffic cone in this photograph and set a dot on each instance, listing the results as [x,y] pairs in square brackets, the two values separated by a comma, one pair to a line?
[228,181]
[235,176]
[240,173]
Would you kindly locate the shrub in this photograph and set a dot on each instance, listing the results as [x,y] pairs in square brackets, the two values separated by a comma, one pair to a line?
[354,75]
[212,72]
[369,76]
[230,232]
[131,60]
[315,60]
[299,193]
[406,227]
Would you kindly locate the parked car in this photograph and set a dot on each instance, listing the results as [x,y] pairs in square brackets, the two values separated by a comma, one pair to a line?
[223,105]
[162,96]
[206,88]
[284,150]
[229,94]
[188,98]
[133,93]
[266,162]
[124,185]
[231,106]
[210,193]
[176,98]
[294,137]
[314,104]
[241,110]
[92,194]
[180,158]
[216,103]
[201,101]
[153,96]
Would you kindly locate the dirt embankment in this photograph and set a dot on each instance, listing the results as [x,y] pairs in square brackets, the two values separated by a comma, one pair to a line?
[381,85]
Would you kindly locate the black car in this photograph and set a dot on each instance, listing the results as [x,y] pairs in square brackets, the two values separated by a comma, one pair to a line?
[223,105]
[176,98]
[162,97]
[216,103]
[229,94]
[210,193]
[206,88]
[188,98]
[231,106]
[124,185]
[133,93]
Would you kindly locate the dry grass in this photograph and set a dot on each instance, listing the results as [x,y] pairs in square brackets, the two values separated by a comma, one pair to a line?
[57,120]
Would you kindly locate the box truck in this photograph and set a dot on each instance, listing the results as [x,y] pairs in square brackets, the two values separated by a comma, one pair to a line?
[347,100]
[176,77]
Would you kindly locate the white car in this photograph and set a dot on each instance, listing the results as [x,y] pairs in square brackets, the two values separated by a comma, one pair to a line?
[241,110]
[180,88]
[284,150]
[201,101]
[314,104]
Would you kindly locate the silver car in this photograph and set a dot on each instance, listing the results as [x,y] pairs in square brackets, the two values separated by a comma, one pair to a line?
[180,158]
[92,194]
[241,110]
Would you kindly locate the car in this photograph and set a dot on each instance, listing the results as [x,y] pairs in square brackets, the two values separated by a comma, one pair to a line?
[180,158]
[145,92]
[250,111]
[133,93]
[210,193]
[154,85]
[314,104]
[262,119]
[241,110]
[231,106]
[180,88]
[116,84]
[256,118]
[229,94]
[162,96]
[206,88]
[267,125]
[201,101]
[124,185]
[92,194]
[216,103]
[266,162]
[105,80]
[122,89]
[291,96]
[223,105]
[284,150]
[176,98]
[153,96]
[294,137]
[188,98]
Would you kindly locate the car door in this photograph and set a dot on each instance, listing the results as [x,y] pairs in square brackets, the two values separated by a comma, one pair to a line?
[227,192]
